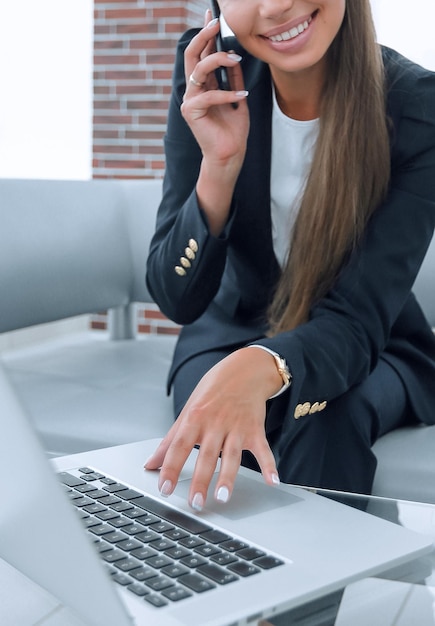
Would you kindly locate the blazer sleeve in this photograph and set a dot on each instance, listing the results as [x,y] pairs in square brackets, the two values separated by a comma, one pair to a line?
[185,262]
[350,327]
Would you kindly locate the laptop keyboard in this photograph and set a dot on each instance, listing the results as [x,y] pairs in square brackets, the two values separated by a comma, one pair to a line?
[154,551]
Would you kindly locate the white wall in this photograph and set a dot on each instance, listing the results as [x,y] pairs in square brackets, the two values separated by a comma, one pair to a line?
[408,27]
[46,74]
[46,94]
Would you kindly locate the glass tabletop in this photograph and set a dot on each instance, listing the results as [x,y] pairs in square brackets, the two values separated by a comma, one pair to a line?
[403,596]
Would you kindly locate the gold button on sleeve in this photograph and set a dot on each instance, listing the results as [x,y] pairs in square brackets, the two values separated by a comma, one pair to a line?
[185,262]
[180,270]
[193,245]
[189,253]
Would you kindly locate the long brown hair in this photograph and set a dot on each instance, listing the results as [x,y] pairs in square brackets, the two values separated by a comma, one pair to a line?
[350,171]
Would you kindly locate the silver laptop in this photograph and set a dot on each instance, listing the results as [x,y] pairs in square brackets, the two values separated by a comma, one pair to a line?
[101,540]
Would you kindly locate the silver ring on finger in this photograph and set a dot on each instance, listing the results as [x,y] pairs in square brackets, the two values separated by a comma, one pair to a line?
[195,82]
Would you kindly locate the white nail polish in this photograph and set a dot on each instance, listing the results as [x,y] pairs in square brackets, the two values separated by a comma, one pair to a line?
[197,502]
[212,22]
[223,494]
[275,479]
[234,57]
[166,488]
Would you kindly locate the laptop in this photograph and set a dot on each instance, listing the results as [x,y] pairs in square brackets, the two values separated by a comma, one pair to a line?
[99,537]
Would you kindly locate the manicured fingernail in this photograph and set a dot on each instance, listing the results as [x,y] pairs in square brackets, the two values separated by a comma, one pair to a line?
[166,488]
[275,479]
[242,94]
[234,57]
[223,494]
[197,502]
[212,22]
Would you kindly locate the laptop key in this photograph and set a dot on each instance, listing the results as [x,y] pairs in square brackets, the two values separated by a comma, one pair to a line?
[70,480]
[102,529]
[81,501]
[142,573]
[90,521]
[129,544]
[178,552]
[129,494]
[191,542]
[114,487]
[107,515]
[143,553]
[133,529]
[214,536]
[138,516]
[159,582]
[162,544]
[127,564]
[249,554]
[121,506]
[223,558]
[97,494]
[92,476]
[267,562]
[217,574]
[176,534]
[122,579]
[175,570]
[158,561]
[94,508]
[109,500]
[176,593]
[138,589]
[85,488]
[207,550]
[111,556]
[196,583]
[156,600]
[115,536]
[161,527]
[119,522]
[243,568]
[193,561]
[147,536]
[233,545]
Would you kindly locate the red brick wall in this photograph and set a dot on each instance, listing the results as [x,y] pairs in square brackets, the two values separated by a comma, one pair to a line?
[134,44]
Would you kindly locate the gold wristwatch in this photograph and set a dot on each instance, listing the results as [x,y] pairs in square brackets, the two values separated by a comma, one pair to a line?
[281,366]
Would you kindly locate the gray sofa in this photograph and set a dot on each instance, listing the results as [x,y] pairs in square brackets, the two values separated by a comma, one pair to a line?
[68,248]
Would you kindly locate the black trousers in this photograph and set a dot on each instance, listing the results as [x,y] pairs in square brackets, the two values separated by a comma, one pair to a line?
[330,449]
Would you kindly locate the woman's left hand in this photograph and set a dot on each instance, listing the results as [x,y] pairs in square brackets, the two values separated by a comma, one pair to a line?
[224,416]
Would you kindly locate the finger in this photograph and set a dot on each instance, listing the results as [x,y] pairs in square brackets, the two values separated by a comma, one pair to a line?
[264,455]
[205,467]
[176,456]
[156,459]
[196,47]
[230,463]
[204,70]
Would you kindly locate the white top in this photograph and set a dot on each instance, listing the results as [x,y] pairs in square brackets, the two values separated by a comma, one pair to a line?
[293,145]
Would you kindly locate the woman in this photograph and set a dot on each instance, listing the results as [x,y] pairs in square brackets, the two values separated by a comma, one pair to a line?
[297,210]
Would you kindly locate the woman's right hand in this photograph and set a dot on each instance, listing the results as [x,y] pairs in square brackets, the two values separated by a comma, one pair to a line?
[220,129]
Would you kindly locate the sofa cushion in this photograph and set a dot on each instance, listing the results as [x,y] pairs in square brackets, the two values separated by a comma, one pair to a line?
[84,391]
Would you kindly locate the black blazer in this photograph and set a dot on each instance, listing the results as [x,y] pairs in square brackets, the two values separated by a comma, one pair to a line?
[370,313]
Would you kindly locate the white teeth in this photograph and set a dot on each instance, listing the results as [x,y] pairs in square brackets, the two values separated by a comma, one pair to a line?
[292,33]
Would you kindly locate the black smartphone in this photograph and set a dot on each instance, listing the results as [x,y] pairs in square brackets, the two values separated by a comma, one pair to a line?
[222,72]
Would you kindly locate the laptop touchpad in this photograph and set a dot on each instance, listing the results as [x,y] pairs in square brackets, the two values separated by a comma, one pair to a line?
[250,497]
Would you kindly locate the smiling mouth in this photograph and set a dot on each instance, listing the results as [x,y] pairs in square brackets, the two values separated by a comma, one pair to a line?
[293,32]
